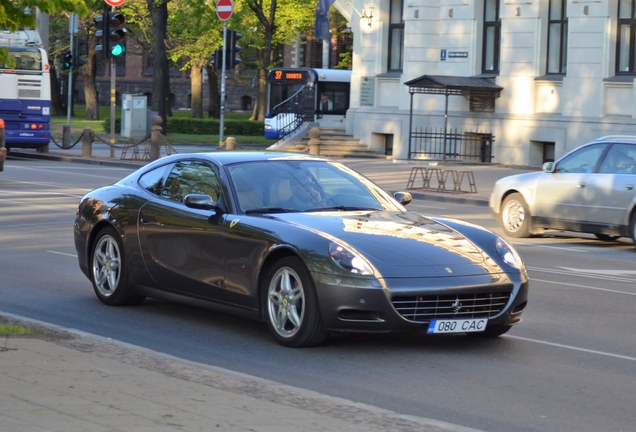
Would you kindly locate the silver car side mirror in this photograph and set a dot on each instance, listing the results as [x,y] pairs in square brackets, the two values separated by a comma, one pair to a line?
[548,167]
[403,197]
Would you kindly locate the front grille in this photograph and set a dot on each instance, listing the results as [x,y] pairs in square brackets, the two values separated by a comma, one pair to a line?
[458,306]
[29,88]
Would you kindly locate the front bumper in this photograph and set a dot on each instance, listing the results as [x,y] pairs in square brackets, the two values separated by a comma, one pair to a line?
[347,306]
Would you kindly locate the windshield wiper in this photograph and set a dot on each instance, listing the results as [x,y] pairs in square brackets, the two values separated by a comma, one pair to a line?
[268,210]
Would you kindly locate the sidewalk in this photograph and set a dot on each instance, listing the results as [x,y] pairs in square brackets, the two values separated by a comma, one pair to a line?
[66,380]
[389,174]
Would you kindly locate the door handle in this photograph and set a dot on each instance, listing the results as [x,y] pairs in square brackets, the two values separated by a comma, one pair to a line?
[629,187]
[580,185]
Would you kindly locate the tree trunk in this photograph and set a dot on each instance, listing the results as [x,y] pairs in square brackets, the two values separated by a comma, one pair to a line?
[88,75]
[196,89]
[57,104]
[160,80]
[214,110]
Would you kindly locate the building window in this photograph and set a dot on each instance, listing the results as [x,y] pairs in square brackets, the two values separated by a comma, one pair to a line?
[625,37]
[396,36]
[492,37]
[557,37]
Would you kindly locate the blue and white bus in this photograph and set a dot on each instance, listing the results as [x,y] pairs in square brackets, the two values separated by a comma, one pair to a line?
[25,91]
[296,95]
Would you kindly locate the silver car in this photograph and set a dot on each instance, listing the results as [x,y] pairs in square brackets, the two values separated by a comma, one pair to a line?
[591,189]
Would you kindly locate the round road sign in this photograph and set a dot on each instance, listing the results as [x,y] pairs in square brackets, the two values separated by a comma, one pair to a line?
[115,2]
[224,9]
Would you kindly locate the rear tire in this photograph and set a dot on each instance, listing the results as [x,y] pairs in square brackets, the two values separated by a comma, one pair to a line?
[515,217]
[109,270]
[290,303]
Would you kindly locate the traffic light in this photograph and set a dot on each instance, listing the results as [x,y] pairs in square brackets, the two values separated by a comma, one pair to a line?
[217,57]
[233,49]
[102,33]
[67,62]
[80,49]
[117,34]
[110,32]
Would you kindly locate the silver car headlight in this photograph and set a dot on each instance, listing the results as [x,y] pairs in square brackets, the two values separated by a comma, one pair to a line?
[349,261]
[508,254]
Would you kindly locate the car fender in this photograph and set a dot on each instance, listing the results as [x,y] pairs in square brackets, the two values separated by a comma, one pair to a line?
[524,184]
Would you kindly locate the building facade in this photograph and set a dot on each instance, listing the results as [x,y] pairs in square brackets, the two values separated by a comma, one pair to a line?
[566,69]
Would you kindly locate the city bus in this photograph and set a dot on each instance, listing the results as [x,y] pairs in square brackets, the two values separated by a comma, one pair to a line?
[25,91]
[298,95]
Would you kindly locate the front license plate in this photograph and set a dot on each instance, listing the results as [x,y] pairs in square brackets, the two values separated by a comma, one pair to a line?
[457,325]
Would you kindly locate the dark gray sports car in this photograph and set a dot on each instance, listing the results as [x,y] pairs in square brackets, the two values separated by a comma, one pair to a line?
[303,243]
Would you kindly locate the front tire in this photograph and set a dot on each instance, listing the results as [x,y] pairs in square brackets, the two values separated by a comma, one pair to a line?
[109,271]
[291,305]
[515,217]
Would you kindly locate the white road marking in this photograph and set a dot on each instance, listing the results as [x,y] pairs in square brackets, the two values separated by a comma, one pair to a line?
[516,243]
[61,253]
[601,272]
[583,286]
[583,275]
[573,348]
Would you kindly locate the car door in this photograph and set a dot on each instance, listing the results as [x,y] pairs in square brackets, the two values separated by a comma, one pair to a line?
[183,248]
[562,196]
[613,188]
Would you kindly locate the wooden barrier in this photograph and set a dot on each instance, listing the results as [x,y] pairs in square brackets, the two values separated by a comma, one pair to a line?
[436,179]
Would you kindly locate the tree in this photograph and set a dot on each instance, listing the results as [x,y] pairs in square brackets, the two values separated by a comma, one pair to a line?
[195,34]
[273,23]
[16,14]
[161,78]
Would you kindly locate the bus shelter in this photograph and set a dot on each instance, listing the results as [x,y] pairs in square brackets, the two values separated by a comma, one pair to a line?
[481,93]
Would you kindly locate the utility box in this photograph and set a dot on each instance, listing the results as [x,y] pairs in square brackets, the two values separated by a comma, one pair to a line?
[133,116]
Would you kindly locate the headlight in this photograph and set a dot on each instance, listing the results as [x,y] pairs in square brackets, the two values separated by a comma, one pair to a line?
[268,127]
[348,260]
[508,254]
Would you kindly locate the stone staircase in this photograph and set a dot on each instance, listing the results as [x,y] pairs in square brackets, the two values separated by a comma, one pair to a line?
[335,143]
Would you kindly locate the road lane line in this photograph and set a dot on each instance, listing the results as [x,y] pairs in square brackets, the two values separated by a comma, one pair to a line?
[550,247]
[61,253]
[584,286]
[586,275]
[573,348]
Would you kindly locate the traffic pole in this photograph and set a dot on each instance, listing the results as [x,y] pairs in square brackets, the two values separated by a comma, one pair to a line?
[113,102]
[222,117]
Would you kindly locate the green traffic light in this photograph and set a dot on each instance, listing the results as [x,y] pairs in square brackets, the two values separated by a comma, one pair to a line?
[117,50]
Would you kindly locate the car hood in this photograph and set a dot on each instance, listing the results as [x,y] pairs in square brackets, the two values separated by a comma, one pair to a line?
[400,244]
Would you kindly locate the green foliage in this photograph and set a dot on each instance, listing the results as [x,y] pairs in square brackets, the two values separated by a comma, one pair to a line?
[180,125]
[17,14]
[15,330]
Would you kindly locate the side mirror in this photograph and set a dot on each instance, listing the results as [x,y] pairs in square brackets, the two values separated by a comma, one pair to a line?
[201,201]
[548,167]
[403,197]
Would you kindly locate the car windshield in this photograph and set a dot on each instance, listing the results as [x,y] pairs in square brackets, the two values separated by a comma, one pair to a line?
[279,186]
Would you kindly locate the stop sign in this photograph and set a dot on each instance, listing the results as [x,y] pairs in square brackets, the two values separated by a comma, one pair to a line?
[224,9]
[115,2]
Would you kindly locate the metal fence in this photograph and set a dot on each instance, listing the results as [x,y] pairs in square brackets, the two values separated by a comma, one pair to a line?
[454,145]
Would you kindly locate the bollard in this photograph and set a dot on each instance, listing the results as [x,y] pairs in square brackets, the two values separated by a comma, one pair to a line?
[155,138]
[230,143]
[87,142]
[314,141]
[66,137]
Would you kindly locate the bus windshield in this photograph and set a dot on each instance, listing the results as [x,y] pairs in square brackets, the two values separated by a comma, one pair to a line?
[26,59]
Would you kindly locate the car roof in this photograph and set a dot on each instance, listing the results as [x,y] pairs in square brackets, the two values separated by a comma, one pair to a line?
[621,138]
[231,157]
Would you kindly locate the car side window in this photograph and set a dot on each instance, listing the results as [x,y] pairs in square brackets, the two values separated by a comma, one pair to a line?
[581,161]
[152,181]
[191,177]
[620,159]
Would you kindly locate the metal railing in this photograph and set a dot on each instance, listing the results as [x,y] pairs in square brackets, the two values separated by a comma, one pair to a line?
[292,112]
[454,145]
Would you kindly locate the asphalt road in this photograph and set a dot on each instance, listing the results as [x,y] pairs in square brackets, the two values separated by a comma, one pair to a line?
[570,366]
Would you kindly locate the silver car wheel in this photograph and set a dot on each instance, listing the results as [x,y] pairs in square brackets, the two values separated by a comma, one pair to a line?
[513,215]
[106,265]
[286,302]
